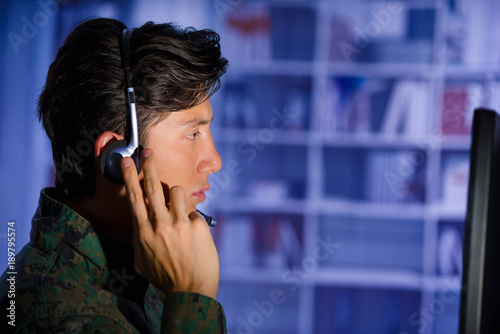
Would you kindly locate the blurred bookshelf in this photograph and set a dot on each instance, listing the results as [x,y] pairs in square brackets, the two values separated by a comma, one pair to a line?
[344,131]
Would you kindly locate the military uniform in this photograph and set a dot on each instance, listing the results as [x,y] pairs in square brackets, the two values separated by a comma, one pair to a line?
[74,278]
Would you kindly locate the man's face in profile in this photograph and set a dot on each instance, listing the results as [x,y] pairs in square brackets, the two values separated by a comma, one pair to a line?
[185,152]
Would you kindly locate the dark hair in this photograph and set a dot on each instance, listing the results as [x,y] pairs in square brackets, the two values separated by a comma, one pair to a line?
[171,68]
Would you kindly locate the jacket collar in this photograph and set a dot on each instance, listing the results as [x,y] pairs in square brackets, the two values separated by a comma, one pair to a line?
[56,227]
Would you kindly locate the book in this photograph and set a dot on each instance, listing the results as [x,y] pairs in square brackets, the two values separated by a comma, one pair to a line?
[247,33]
[455,182]
[236,242]
[449,260]
[459,101]
[395,176]
[407,109]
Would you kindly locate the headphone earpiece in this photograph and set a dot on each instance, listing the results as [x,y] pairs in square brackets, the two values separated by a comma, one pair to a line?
[109,161]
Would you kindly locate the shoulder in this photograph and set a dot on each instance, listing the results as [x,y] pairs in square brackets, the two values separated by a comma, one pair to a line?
[50,292]
[72,324]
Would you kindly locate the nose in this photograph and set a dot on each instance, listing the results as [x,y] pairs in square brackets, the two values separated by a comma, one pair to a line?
[211,162]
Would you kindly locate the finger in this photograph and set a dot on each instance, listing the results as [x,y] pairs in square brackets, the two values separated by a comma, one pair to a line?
[178,201]
[152,183]
[197,217]
[134,191]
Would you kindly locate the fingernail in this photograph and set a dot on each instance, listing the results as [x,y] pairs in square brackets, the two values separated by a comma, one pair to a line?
[146,153]
[126,162]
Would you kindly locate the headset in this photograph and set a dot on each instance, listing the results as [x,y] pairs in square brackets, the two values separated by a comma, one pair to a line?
[112,154]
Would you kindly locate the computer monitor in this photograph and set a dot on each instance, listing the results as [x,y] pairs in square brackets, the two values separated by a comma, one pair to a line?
[480,299]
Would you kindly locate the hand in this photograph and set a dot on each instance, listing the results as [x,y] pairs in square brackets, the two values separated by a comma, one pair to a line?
[173,251]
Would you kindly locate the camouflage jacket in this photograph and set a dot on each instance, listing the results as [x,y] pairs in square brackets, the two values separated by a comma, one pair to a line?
[73,278]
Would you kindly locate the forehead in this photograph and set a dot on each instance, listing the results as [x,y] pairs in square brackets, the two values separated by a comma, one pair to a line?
[198,115]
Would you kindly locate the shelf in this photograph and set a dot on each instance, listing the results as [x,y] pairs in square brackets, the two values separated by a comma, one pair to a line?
[376,278]
[472,72]
[443,283]
[369,209]
[273,67]
[324,207]
[371,140]
[252,275]
[264,136]
[332,68]
[384,70]
[449,213]
[455,142]
[343,277]
[280,206]
[337,139]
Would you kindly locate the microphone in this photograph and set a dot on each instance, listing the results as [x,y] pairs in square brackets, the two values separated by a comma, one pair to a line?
[211,221]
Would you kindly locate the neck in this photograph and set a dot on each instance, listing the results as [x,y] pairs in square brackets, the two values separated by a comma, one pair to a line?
[107,210]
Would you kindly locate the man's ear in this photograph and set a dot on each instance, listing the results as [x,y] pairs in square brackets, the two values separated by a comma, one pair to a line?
[104,140]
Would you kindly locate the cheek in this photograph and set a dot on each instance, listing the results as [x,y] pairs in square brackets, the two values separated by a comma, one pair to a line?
[164,165]
[175,167]
[165,168]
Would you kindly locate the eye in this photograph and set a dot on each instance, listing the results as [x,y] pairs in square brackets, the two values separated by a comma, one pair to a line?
[192,135]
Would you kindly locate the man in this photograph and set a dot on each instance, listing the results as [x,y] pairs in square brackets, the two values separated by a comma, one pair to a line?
[133,258]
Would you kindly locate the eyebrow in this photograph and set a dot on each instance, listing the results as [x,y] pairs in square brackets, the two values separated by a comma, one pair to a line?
[196,121]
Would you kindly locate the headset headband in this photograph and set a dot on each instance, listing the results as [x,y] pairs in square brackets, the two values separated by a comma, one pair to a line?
[116,151]
[126,37]
[130,92]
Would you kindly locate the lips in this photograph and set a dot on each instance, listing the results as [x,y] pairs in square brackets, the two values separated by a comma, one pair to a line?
[201,193]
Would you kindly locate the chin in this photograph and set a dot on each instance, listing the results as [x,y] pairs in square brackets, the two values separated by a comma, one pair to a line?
[190,208]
